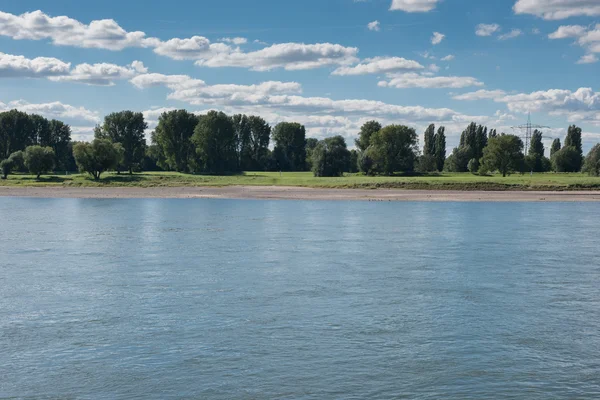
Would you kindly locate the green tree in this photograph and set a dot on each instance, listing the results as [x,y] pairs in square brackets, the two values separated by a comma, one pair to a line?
[591,164]
[458,161]
[427,163]
[290,142]
[41,133]
[330,157]
[353,163]
[429,139]
[473,166]
[311,143]
[574,139]
[126,128]
[16,161]
[440,148]
[364,136]
[97,157]
[39,160]
[366,162]
[394,149]
[260,135]
[556,146]
[16,132]
[172,135]
[60,141]
[241,127]
[567,159]
[215,140]
[535,161]
[504,153]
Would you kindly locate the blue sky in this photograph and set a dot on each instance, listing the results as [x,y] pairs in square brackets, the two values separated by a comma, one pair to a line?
[331,64]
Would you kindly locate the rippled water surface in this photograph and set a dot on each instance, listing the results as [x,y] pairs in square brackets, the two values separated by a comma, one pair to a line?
[224,299]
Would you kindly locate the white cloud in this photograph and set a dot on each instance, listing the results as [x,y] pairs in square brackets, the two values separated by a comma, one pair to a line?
[379,65]
[437,38]
[586,37]
[40,67]
[190,49]
[580,105]
[102,74]
[107,34]
[588,59]
[290,56]
[427,55]
[413,5]
[374,26]
[449,57]
[13,66]
[486,29]
[236,40]
[414,80]
[557,9]
[281,97]
[480,95]
[65,31]
[511,35]
[568,31]
[54,109]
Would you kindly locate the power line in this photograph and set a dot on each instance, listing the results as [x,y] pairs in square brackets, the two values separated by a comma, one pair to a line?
[528,128]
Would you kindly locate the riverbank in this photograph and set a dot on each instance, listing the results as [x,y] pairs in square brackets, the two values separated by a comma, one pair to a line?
[298,193]
[430,182]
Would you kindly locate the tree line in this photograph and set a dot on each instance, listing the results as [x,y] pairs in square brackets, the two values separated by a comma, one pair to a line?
[216,143]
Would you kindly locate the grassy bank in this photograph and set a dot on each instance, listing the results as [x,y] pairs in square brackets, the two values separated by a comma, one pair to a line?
[447,181]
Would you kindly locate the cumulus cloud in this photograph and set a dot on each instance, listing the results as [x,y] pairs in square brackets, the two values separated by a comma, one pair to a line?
[449,57]
[580,105]
[54,109]
[486,29]
[379,65]
[414,80]
[236,40]
[374,26]
[40,67]
[282,97]
[568,31]
[108,34]
[588,59]
[65,31]
[102,74]
[437,38]
[586,37]
[412,6]
[511,35]
[557,9]
[13,66]
[480,95]
[290,56]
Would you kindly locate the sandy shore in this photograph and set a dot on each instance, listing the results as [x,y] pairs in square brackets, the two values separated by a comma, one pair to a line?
[294,193]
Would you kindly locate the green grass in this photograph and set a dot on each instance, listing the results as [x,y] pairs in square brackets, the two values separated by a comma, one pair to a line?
[446,181]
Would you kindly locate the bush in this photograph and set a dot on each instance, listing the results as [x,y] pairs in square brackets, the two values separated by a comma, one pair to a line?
[567,159]
[15,161]
[6,166]
[474,166]
[591,164]
[366,164]
[427,163]
[39,160]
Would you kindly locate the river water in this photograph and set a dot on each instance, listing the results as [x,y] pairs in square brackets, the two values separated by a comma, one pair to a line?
[246,299]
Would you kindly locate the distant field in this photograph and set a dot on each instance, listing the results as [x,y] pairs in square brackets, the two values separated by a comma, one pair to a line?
[446,181]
